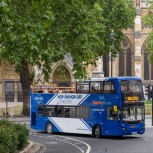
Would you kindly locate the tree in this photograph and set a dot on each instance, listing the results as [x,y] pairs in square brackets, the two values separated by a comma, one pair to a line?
[148,20]
[40,32]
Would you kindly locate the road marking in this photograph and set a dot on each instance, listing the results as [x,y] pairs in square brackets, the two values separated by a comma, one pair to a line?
[75,146]
[145,139]
[44,149]
[51,142]
[88,146]
[65,140]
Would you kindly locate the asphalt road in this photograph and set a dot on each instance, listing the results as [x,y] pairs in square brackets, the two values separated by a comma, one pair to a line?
[68,143]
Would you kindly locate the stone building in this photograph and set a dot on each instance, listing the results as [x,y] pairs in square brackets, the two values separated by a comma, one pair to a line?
[132,61]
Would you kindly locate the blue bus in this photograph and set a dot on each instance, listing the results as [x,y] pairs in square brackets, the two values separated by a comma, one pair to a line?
[112,106]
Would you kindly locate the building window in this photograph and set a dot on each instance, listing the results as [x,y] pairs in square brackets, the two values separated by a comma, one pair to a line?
[128,63]
[125,59]
[121,63]
[146,66]
[106,65]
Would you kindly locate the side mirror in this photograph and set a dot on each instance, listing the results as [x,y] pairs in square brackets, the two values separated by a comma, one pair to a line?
[115,108]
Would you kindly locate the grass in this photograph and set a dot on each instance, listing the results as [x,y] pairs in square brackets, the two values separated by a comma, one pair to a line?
[12,111]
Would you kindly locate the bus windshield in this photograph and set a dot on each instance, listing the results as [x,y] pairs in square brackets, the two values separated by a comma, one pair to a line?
[133,114]
[134,86]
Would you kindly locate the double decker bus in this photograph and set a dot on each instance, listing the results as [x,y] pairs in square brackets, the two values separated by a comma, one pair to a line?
[112,106]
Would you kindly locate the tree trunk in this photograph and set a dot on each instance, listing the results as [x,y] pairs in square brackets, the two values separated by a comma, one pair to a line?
[25,82]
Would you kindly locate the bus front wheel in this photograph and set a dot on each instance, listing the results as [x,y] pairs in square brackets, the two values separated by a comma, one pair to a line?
[97,132]
[49,128]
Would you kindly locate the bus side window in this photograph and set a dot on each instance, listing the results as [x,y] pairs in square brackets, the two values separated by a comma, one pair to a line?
[59,110]
[111,114]
[82,87]
[49,111]
[109,87]
[95,87]
[70,112]
[66,112]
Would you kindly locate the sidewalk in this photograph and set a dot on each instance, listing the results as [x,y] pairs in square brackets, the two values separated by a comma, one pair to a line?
[148,121]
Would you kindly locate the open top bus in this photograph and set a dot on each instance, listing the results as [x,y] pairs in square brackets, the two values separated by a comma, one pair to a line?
[100,106]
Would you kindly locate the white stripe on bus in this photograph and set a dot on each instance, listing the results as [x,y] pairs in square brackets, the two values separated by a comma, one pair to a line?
[83,99]
[55,124]
[86,124]
[51,99]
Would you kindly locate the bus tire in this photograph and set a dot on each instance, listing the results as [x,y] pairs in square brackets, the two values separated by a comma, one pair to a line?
[49,128]
[97,132]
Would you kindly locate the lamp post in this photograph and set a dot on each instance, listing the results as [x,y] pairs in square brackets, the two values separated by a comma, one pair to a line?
[112,39]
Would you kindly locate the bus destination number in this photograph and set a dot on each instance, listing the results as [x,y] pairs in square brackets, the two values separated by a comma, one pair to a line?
[132,98]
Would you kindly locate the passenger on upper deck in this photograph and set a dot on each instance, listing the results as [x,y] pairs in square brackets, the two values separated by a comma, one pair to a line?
[93,89]
[47,90]
[40,90]
[60,91]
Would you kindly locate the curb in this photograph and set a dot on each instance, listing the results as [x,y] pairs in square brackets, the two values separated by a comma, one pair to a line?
[27,148]
[32,147]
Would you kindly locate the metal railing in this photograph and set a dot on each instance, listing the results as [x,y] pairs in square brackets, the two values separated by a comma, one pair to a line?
[13,96]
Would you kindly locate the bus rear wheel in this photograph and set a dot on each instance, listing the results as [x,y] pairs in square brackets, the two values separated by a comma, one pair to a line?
[49,128]
[97,132]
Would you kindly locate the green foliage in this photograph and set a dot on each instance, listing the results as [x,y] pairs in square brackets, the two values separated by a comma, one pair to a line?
[24,27]
[12,136]
[3,148]
[8,138]
[118,15]
[43,31]
[32,76]
[23,134]
[148,20]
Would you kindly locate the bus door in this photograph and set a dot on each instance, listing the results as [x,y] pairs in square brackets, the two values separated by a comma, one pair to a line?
[113,119]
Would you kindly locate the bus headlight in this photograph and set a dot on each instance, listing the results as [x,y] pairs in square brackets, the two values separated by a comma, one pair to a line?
[123,128]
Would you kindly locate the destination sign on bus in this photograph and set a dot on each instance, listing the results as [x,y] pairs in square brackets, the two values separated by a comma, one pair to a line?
[133,98]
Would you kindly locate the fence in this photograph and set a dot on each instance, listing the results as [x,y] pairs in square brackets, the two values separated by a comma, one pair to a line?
[13,96]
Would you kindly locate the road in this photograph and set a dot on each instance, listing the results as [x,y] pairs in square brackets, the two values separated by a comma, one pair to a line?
[68,143]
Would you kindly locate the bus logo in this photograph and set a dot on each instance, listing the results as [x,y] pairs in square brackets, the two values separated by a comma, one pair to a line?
[98,102]
[39,98]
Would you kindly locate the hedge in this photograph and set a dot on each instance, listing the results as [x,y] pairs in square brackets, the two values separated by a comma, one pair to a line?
[12,136]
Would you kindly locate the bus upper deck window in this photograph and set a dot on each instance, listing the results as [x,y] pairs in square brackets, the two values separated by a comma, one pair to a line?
[95,87]
[134,86]
[109,87]
[83,87]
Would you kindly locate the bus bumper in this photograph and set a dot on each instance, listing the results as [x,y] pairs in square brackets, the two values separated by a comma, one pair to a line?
[133,129]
